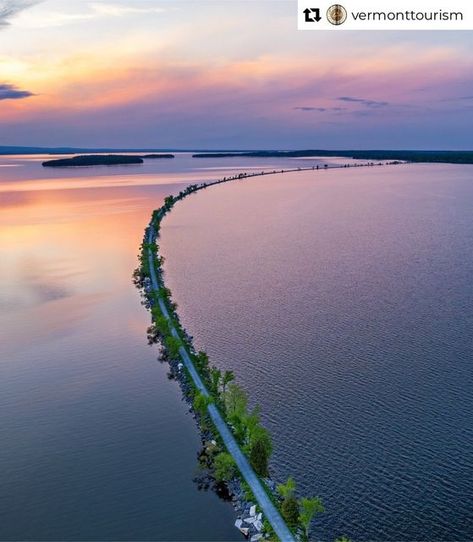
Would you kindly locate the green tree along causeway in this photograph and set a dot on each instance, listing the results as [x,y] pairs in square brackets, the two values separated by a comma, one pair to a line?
[243,445]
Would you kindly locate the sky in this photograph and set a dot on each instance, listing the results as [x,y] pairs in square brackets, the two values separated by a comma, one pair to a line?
[224,74]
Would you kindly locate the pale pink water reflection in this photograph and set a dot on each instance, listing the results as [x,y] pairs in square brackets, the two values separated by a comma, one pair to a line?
[96,443]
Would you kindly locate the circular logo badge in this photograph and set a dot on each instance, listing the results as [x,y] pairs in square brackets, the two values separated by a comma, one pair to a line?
[336,14]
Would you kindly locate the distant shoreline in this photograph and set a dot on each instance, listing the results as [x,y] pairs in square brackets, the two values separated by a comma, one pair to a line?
[446,157]
[433,156]
[8,150]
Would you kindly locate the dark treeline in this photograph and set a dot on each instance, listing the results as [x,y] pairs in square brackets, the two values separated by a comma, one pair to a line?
[102,160]
[94,160]
[451,157]
[14,149]
[146,156]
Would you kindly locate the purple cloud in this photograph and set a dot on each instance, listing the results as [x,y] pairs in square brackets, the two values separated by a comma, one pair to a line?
[362,101]
[307,108]
[10,92]
[319,109]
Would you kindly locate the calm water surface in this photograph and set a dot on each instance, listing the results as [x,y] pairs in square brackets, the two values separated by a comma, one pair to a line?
[343,300]
[96,441]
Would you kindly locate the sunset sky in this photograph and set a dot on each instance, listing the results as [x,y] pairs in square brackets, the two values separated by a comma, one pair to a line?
[224,74]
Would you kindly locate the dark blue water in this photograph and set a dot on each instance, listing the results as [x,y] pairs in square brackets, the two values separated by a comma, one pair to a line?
[343,300]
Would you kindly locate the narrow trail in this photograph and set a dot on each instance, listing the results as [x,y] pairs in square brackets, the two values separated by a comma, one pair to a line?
[267,507]
[251,478]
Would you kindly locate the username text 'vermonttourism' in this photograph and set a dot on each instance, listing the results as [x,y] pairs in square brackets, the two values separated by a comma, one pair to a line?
[391,15]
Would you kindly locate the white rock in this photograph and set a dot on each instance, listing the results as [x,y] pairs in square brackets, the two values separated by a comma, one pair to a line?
[250,520]
[245,531]
[258,525]
[259,517]
[253,510]
[238,523]
[256,537]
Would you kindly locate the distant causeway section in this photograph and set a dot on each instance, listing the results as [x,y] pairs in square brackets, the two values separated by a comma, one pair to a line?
[236,446]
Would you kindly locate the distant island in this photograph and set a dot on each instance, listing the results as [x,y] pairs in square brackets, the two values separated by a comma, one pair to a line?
[94,160]
[452,157]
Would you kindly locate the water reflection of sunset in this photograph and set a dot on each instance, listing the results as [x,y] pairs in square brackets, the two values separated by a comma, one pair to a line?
[81,393]
[64,250]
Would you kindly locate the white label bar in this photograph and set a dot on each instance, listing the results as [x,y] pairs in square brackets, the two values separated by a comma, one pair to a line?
[385,15]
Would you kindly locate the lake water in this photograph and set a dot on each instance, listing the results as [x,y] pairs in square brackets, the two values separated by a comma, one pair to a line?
[96,442]
[343,301]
